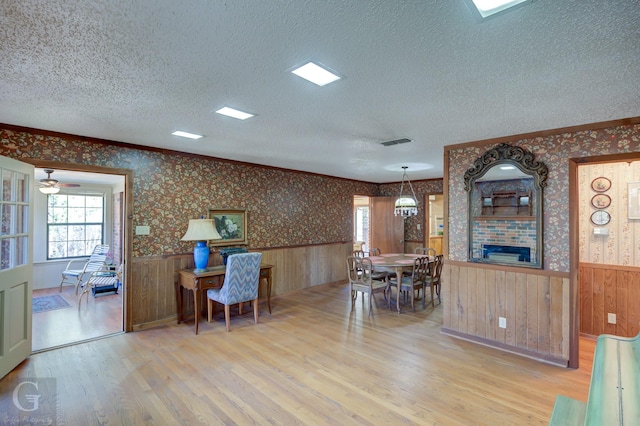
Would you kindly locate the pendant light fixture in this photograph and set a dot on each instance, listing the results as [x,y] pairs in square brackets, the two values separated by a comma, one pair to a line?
[405,205]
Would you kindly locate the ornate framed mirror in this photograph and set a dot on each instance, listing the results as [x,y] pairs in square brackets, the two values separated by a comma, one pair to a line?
[505,188]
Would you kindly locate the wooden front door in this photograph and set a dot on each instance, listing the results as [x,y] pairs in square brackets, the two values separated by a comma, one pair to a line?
[16,262]
[387,230]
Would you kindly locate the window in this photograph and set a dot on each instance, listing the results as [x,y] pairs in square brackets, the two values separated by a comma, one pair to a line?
[362,224]
[75,224]
[14,210]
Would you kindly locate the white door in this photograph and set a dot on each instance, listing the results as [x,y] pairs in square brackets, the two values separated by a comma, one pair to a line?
[16,262]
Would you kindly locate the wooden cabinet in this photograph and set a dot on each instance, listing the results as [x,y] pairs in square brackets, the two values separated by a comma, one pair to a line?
[435,242]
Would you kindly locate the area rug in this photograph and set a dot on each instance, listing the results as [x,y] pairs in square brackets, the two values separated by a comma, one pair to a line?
[49,303]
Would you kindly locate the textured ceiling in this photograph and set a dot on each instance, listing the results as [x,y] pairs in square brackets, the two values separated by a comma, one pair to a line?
[429,70]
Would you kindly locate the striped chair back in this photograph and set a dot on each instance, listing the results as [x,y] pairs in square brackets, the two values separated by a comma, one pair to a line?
[241,278]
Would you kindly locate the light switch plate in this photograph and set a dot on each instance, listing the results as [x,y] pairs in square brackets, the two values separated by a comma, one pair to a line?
[143,230]
[611,318]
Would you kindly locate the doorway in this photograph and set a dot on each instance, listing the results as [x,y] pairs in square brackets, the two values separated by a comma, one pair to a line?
[59,320]
[434,221]
[361,215]
[587,238]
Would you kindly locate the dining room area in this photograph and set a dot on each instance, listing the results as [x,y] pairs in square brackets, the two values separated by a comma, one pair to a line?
[409,275]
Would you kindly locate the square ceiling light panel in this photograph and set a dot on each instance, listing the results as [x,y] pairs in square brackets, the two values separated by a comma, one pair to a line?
[186,134]
[315,74]
[234,113]
[487,8]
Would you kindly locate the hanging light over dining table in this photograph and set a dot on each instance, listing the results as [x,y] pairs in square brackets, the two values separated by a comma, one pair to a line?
[406,205]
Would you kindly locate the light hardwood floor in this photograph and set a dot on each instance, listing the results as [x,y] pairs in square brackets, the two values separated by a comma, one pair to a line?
[312,361]
[101,316]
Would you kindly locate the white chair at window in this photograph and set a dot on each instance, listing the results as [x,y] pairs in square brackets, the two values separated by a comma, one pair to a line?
[75,275]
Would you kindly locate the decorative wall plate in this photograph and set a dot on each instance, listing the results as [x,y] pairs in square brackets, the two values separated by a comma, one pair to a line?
[601,184]
[600,217]
[601,201]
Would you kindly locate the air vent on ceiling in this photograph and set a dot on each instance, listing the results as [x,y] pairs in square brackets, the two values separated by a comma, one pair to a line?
[396,142]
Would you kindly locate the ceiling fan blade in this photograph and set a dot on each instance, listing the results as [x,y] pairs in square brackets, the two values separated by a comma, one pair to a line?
[49,181]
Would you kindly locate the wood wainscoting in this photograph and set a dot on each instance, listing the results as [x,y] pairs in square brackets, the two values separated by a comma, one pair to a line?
[154,278]
[534,302]
[609,289]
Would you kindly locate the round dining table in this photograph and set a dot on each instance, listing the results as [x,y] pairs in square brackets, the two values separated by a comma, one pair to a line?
[395,262]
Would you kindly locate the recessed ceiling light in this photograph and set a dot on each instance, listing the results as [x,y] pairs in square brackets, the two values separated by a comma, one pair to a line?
[315,74]
[489,7]
[186,134]
[230,112]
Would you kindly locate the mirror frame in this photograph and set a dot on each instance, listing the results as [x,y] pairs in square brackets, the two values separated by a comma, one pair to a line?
[525,161]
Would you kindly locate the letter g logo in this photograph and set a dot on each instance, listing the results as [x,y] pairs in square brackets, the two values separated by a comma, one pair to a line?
[33,399]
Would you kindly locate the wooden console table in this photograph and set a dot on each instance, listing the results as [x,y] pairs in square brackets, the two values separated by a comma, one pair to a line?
[212,277]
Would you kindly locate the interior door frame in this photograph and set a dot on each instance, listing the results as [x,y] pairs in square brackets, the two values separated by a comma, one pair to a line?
[427,218]
[574,235]
[128,220]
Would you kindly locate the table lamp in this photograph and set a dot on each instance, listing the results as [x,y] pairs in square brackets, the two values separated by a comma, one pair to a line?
[200,231]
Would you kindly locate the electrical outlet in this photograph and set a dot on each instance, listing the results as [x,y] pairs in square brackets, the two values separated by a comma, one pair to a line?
[611,318]
[502,322]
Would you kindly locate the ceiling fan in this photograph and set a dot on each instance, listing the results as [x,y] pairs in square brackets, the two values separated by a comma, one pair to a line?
[52,186]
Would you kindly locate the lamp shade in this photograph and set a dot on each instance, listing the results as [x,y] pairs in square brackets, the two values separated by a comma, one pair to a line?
[201,230]
[49,189]
[406,206]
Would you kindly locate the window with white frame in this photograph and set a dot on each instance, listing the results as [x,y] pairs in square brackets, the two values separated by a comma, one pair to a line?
[75,224]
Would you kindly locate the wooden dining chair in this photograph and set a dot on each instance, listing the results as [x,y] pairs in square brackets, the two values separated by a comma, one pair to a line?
[428,251]
[408,284]
[378,275]
[359,271]
[436,280]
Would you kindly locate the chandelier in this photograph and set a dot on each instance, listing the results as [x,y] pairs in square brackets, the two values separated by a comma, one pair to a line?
[405,205]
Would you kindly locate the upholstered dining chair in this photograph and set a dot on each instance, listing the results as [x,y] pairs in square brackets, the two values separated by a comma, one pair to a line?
[375,275]
[360,280]
[240,285]
[359,253]
[436,280]
[378,275]
[74,274]
[428,251]
[417,280]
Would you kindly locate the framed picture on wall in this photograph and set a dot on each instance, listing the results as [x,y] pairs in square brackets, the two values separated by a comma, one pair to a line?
[634,200]
[601,184]
[231,224]
[601,201]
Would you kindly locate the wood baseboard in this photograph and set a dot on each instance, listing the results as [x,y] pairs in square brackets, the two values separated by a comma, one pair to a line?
[507,348]
[157,323]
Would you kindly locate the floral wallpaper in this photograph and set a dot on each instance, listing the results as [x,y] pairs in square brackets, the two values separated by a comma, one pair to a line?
[554,151]
[284,208]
